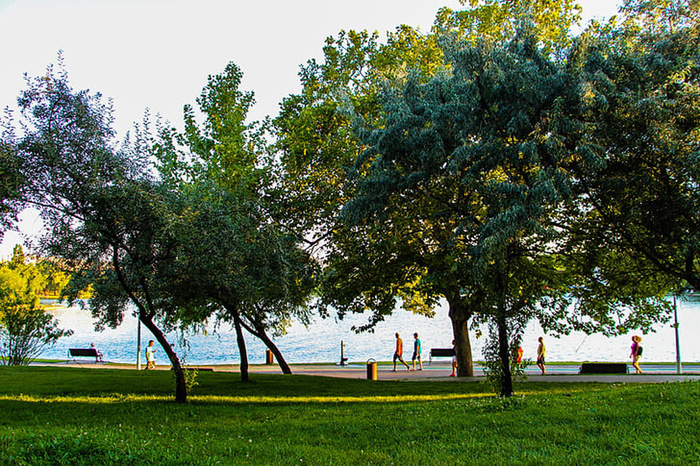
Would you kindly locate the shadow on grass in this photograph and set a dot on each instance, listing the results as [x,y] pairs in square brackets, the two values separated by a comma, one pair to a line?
[61,384]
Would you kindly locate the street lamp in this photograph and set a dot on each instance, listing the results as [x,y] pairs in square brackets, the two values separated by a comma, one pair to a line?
[679,366]
[138,344]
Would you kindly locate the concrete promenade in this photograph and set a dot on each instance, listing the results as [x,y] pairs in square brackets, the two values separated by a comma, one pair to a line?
[653,373]
[441,372]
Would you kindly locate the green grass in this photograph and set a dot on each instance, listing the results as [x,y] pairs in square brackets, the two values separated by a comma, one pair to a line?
[85,416]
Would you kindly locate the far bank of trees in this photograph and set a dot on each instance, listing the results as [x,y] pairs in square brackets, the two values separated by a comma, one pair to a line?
[499,162]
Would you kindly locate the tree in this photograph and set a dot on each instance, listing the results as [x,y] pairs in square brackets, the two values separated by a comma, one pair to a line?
[408,254]
[467,168]
[99,206]
[640,181]
[249,271]
[25,327]
[10,182]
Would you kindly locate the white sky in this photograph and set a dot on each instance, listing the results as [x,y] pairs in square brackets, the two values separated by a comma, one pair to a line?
[157,54]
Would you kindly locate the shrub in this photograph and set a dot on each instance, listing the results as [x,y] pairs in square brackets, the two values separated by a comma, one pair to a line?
[25,331]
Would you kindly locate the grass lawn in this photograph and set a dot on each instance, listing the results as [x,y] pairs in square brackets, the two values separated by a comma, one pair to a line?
[108,416]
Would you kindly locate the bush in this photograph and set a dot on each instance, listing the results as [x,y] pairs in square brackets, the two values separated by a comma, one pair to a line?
[24,331]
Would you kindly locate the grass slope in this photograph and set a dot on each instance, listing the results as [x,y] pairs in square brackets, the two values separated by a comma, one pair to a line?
[86,416]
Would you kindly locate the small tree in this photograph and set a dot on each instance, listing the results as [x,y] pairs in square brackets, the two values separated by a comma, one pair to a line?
[493,365]
[24,332]
[25,328]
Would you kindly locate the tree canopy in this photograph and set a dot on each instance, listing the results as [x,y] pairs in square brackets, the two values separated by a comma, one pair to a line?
[497,162]
[231,253]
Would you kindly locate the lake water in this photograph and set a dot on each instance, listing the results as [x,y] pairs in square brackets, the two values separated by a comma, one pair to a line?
[321,341]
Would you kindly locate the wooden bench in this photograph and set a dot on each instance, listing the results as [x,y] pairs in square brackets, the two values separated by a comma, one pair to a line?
[441,353]
[603,368]
[85,353]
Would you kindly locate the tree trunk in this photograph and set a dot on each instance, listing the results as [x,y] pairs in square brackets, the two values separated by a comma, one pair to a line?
[180,384]
[504,354]
[502,329]
[459,315]
[245,377]
[259,332]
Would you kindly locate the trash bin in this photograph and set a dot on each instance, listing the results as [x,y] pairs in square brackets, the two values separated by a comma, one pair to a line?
[269,357]
[371,369]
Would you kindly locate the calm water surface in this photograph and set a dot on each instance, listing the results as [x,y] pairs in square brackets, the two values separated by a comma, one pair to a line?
[321,341]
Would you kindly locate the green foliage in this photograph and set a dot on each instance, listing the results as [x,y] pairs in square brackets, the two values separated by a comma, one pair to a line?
[638,219]
[11,177]
[493,365]
[658,17]
[465,181]
[25,327]
[499,21]
[233,262]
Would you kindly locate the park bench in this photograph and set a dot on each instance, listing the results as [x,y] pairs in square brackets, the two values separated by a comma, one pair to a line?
[603,368]
[84,353]
[441,353]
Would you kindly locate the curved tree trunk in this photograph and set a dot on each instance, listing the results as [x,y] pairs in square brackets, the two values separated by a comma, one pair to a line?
[245,377]
[259,332]
[459,315]
[180,384]
[147,319]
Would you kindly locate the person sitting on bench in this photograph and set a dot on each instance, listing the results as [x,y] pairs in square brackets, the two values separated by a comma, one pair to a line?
[99,354]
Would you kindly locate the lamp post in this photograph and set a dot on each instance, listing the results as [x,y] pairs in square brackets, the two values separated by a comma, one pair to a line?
[138,344]
[679,366]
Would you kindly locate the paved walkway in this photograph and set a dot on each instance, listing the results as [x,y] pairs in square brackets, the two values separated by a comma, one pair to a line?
[555,373]
[653,373]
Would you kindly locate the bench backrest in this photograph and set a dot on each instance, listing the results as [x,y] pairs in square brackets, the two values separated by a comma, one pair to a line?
[603,368]
[436,352]
[83,352]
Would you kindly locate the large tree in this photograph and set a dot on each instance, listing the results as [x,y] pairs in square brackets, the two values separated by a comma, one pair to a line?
[230,250]
[368,267]
[467,171]
[99,206]
[487,154]
[640,184]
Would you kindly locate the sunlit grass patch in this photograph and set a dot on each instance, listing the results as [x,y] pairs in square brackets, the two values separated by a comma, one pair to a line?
[106,398]
[224,399]
[334,399]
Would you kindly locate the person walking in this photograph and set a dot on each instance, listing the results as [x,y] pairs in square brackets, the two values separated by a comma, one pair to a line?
[636,353]
[398,353]
[454,360]
[151,356]
[416,353]
[541,354]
